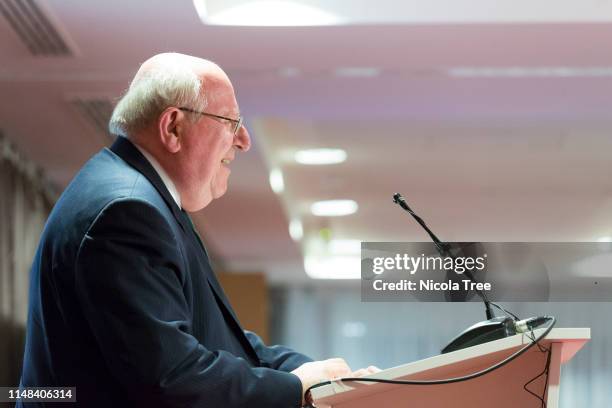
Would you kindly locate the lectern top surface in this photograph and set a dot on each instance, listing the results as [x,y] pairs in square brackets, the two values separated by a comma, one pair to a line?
[480,356]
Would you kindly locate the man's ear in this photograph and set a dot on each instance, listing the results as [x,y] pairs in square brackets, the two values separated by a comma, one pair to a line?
[170,127]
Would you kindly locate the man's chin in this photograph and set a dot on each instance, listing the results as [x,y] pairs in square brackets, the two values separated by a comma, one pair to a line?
[219,191]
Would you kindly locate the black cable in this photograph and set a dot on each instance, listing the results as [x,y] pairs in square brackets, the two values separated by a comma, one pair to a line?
[544,372]
[505,311]
[308,396]
[531,335]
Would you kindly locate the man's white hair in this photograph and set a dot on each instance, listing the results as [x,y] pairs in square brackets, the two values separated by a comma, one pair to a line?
[169,82]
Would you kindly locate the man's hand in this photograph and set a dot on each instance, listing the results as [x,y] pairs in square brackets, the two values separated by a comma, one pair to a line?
[365,371]
[318,371]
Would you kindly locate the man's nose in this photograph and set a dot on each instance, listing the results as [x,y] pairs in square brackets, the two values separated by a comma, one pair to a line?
[242,140]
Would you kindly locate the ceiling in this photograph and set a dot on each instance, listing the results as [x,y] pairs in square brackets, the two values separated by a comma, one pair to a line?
[501,156]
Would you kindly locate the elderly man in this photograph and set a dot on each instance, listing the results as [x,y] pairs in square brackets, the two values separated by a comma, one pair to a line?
[123,303]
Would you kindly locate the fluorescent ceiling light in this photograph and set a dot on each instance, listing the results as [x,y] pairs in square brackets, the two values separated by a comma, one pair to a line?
[333,208]
[265,13]
[333,267]
[276,181]
[357,72]
[345,246]
[320,156]
[296,229]
[530,72]
[384,12]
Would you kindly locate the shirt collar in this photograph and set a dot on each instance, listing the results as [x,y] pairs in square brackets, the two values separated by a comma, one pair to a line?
[162,174]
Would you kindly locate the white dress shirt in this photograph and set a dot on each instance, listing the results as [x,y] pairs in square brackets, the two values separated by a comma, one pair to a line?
[162,174]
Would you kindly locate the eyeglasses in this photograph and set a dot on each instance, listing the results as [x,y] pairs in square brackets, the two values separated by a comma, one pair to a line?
[237,122]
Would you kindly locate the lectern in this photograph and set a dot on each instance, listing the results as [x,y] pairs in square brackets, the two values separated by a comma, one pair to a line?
[502,388]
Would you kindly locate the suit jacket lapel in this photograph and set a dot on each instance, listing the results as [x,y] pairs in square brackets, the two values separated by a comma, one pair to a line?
[222,299]
[212,280]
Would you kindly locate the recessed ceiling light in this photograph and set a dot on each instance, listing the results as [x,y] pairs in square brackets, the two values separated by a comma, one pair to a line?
[265,13]
[296,229]
[320,156]
[333,267]
[334,208]
[276,181]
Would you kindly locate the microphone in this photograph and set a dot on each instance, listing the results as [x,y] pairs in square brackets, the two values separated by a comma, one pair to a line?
[494,328]
[443,250]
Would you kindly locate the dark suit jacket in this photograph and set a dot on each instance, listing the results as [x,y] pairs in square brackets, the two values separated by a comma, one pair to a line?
[124,304]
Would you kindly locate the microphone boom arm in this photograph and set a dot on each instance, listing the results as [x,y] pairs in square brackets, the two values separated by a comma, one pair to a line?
[443,249]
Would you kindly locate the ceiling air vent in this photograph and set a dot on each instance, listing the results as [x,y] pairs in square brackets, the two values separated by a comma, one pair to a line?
[34,28]
[96,112]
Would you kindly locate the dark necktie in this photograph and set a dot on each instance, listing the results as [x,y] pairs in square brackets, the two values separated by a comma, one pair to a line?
[194,230]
